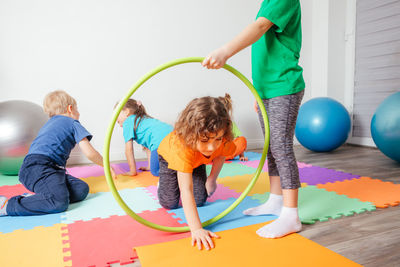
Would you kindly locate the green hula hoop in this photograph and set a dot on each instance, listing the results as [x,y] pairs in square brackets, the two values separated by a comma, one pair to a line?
[107,141]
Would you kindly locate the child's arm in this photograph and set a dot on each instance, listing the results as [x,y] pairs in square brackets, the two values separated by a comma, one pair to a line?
[199,235]
[130,157]
[248,36]
[148,153]
[211,184]
[93,155]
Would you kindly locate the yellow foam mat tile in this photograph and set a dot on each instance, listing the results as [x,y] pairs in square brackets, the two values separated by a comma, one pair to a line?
[239,183]
[99,183]
[242,247]
[41,246]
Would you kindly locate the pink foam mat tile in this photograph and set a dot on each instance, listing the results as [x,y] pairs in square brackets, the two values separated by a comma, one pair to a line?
[13,190]
[95,170]
[101,242]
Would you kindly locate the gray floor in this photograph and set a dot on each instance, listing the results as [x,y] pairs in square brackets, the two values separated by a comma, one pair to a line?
[371,238]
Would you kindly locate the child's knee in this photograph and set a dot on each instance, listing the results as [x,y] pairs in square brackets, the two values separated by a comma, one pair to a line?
[82,192]
[59,204]
[200,200]
[169,204]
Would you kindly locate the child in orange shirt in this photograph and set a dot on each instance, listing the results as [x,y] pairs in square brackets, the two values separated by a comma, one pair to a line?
[202,134]
[238,139]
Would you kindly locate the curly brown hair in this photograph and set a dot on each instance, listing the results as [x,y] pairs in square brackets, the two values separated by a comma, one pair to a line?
[201,117]
[227,101]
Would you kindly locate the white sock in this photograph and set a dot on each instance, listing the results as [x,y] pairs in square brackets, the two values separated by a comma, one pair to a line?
[3,205]
[287,223]
[272,206]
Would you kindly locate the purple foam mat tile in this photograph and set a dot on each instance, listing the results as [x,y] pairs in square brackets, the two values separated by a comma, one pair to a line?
[124,167]
[255,163]
[95,170]
[317,175]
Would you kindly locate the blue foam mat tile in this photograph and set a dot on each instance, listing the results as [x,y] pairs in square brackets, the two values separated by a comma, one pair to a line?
[103,205]
[250,155]
[233,220]
[9,224]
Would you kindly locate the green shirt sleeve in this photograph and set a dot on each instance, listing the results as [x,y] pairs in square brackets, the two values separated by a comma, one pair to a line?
[278,12]
[235,130]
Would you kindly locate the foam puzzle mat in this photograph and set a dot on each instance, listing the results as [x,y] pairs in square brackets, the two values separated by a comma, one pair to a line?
[97,232]
[317,204]
[242,241]
[382,194]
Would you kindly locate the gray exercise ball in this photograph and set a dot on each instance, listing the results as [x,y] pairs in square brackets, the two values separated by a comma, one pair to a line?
[20,122]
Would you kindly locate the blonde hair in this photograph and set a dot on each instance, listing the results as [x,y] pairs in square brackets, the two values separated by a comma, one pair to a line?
[201,117]
[57,102]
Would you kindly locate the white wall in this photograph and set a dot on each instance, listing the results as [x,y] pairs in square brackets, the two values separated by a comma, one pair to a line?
[96,50]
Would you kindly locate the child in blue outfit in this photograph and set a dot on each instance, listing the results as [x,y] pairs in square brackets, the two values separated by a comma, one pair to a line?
[43,169]
[138,126]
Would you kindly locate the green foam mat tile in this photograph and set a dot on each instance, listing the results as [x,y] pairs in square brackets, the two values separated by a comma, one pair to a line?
[9,179]
[232,169]
[317,204]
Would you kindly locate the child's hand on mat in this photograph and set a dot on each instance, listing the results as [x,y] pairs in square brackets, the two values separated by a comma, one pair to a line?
[130,173]
[216,59]
[243,158]
[144,168]
[202,237]
[211,186]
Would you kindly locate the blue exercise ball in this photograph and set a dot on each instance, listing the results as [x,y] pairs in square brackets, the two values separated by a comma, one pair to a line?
[385,127]
[323,124]
[20,122]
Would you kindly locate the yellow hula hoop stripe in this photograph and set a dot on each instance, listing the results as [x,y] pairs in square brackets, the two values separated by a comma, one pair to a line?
[107,141]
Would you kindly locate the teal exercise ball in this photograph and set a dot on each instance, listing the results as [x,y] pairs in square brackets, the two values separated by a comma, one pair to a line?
[20,122]
[323,124]
[385,127]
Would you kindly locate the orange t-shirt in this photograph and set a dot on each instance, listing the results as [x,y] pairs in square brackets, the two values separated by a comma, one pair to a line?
[184,159]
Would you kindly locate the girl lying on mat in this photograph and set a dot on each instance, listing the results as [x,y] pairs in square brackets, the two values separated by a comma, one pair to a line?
[202,134]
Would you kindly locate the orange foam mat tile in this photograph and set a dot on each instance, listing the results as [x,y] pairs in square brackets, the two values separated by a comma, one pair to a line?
[242,247]
[381,194]
[40,246]
[145,179]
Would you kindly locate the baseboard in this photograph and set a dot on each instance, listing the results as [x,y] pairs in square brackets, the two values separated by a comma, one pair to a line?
[77,157]
[362,141]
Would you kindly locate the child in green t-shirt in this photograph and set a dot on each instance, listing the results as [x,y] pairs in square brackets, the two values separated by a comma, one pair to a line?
[275,37]
[239,140]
